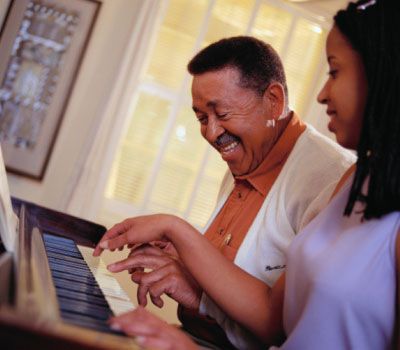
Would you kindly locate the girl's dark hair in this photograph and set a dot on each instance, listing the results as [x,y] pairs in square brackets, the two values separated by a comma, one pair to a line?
[258,63]
[372,29]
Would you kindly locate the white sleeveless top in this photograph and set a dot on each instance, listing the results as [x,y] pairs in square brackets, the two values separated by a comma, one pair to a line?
[341,281]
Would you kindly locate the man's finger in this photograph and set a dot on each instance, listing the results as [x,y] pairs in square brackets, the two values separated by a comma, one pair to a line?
[151,332]
[146,249]
[137,277]
[157,301]
[139,261]
[97,251]
[154,342]
[134,270]
[114,231]
[154,283]
[166,247]
[115,243]
[141,294]
[139,322]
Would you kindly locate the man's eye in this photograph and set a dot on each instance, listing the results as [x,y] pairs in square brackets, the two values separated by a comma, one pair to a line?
[202,120]
[222,115]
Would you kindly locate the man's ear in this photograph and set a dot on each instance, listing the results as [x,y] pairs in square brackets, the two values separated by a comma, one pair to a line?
[275,97]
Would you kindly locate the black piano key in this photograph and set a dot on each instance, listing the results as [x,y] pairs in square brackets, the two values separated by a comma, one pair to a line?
[60,283]
[79,272]
[80,298]
[87,322]
[60,256]
[63,241]
[83,308]
[65,248]
[90,299]
[66,252]
[73,278]
[74,264]
[52,237]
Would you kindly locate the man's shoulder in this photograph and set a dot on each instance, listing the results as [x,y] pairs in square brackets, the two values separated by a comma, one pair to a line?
[316,159]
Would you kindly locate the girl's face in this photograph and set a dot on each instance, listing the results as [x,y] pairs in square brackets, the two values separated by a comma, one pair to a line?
[345,91]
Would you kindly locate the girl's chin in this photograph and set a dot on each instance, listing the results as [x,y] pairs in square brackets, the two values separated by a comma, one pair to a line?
[346,143]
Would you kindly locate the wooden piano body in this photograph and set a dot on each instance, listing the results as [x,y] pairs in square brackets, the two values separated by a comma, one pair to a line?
[30,316]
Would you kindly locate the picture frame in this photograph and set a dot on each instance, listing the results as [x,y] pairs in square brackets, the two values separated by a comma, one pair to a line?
[42,43]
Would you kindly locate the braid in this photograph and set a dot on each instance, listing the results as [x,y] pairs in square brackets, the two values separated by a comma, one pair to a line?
[372,33]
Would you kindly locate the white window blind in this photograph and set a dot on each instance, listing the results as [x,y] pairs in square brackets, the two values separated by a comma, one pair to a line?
[162,163]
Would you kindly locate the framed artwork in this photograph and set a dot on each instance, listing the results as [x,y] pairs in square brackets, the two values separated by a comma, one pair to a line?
[42,43]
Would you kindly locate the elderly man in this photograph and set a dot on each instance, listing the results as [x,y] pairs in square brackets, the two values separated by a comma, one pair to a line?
[282,172]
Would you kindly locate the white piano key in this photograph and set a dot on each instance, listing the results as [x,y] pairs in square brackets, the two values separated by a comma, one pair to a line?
[117,298]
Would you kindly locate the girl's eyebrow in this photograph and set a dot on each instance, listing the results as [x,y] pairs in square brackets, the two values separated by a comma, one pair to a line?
[331,58]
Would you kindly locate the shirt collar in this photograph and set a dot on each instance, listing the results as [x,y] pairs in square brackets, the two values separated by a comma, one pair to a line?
[278,154]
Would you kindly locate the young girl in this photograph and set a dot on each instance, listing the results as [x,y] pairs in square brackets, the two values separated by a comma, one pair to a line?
[339,291]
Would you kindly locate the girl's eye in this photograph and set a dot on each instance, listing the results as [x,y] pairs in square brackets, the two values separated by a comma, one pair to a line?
[333,73]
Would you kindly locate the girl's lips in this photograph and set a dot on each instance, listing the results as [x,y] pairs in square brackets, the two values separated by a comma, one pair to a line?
[330,126]
[331,113]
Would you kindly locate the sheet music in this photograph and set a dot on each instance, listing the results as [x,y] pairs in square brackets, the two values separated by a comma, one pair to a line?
[8,220]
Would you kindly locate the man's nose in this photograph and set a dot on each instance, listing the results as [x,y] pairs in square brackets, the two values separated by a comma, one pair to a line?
[214,130]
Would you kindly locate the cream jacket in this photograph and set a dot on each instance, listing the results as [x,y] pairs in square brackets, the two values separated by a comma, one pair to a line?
[301,191]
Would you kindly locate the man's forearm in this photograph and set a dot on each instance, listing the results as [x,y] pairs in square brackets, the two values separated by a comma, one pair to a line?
[243,297]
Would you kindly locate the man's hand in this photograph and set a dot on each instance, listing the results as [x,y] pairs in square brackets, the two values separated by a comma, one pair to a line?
[168,276]
[141,229]
[152,332]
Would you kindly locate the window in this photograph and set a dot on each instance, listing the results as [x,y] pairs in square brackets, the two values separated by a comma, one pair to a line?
[162,163]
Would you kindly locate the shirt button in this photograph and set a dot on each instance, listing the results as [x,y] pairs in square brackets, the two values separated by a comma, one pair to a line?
[227,239]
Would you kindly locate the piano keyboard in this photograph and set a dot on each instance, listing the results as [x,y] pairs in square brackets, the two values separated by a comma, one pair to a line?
[87,294]
[117,298]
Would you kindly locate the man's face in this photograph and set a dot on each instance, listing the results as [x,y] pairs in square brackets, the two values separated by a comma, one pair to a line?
[233,119]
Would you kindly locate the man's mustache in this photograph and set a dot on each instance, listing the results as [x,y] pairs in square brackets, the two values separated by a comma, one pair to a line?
[225,138]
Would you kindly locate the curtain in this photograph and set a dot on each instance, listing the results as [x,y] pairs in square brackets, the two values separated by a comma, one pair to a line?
[86,189]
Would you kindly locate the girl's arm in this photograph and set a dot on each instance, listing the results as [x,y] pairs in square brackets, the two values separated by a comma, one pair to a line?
[397,322]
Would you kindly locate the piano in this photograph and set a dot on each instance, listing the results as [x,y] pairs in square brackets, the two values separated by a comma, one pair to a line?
[53,293]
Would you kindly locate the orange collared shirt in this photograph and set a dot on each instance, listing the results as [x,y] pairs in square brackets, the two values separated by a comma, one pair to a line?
[232,223]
